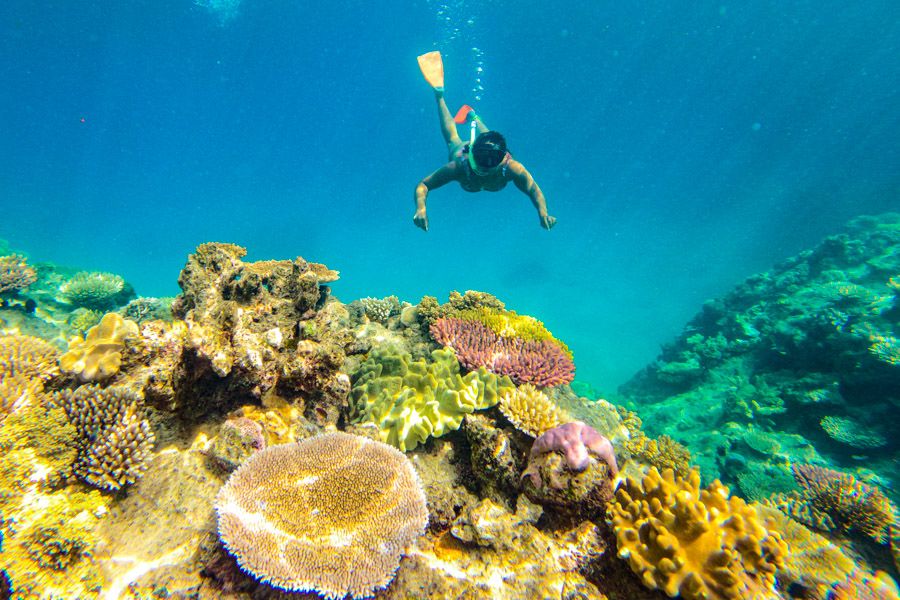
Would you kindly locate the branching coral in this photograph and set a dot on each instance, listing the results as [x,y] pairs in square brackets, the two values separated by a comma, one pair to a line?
[26,363]
[99,355]
[701,544]
[530,410]
[332,514]
[540,363]
[411,401]
[852,433]
[95,290]
[115,440]
[833,500]
[15,275]
[380,309]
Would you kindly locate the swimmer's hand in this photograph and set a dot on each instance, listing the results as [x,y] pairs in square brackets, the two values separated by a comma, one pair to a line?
[421,219]
[547,222]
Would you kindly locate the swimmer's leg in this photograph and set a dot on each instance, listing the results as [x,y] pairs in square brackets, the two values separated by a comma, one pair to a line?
[448,126]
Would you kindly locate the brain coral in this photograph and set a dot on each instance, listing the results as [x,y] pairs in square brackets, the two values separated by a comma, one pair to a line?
[115,440]
[412,400]
[99,355]
[332,514]
[15,275]
[98,291]
[700,544]
[530,410]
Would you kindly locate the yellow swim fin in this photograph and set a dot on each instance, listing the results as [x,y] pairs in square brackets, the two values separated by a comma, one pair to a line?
[432,68]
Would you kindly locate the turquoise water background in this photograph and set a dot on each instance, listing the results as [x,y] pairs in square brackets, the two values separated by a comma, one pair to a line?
[682,146]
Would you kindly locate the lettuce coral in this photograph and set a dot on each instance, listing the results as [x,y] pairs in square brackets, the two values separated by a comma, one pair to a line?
[701,544]
[99,354]
[332,514]
[411,401]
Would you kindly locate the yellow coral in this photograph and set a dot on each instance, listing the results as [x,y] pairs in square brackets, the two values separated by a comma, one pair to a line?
[662,453]
[697,543]
[99,355]
[814,562]
[331,514]
[530,410]
[28,356]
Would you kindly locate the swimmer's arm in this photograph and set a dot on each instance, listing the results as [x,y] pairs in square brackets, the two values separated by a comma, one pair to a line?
[525,182]
[441,177]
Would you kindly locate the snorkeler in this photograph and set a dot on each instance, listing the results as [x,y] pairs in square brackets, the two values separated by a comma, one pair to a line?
[481,164]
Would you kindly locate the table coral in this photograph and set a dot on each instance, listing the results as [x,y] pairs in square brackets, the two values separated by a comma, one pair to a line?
[115,440]
[700,544]
[15,275]
[530,410]
[541,363]
[95,290]
[411,401]
[98,355]
[332,514]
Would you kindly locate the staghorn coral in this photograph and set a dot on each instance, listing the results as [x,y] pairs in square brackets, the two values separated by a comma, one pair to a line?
[95,290]
[852,433]
[833,500]
[700,544]
[530,410]
[411,401]
[380,309]
[98,355]
[332,514]
[114,439]
[15,275]
[541,363]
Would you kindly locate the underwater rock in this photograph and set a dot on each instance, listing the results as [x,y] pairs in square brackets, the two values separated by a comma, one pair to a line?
[238,439]
[580,445]
[442,482]
[493,460]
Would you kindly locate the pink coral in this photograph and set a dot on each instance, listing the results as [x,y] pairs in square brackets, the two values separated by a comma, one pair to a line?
[540,363]
[577,441]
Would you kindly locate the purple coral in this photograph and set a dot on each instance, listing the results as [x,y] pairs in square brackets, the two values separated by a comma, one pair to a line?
[577,441]
[540,363]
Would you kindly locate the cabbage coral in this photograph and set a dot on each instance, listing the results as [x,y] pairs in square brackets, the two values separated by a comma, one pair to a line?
[332,514]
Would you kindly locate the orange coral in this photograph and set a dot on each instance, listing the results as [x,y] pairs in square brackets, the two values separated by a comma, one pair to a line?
[701,544]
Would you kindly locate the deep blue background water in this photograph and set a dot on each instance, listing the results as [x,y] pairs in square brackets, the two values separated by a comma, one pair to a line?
[683,146]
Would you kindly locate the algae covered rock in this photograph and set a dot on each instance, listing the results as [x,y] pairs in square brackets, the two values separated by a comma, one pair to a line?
[412,400]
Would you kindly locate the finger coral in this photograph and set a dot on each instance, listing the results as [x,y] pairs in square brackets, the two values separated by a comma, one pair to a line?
[833,500]
[700,544]
[541,363]
[332,514]
[115,440]
[15,275]
[94,290]
[530,410]
[99,355]
[411,401]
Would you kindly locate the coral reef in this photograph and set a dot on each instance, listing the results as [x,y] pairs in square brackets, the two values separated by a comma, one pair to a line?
[98,355]
[701,544]
[115,440]
[579,443]
[145,309]
[530,410]
[238,439]
[380,309]
[806,352]
[863,586]
[15,275]
[26,364]
[830,499]
[95,290]
[411,401]
[332,514]
[541,363]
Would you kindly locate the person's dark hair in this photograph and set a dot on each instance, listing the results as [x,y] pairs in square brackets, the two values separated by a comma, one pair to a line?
[489,149]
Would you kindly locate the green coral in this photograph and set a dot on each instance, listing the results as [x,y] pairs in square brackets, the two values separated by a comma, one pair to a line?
[412,400]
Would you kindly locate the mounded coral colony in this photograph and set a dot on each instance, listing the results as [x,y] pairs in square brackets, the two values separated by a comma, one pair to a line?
[256,437]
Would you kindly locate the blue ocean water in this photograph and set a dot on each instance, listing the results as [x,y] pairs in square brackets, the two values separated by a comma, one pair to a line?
[682,146]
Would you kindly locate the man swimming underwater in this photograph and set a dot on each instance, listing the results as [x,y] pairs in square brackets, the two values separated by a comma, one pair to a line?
[481,164]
